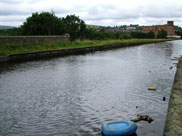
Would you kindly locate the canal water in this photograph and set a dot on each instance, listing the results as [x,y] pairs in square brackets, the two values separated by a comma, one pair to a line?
[74,95]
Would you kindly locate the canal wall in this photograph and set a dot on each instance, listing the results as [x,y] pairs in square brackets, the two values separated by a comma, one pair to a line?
[31,40]
[173,125]
[63,52]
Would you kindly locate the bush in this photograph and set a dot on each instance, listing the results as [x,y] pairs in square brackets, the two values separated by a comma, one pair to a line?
[125,36]
[150,35]
[11,32]
[101,35]
[139,35]
[162,34]
[179,33]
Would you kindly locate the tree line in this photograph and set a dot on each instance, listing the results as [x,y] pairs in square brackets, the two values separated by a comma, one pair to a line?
[47,23]
[150,35]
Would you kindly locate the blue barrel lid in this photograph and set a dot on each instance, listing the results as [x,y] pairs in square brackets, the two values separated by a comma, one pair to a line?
[119,128]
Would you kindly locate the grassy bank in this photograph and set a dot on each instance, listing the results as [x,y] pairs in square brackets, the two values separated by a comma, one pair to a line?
[14,49]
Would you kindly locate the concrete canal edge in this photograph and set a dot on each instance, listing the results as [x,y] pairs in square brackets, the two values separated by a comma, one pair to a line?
[173,125]
[65,52]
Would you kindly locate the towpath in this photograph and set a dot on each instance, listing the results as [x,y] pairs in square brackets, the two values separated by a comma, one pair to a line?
[174,116]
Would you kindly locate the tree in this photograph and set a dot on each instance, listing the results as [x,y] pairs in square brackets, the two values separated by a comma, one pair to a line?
[74,26]
[44,23]
[162,34]
[82,30]
[150,35]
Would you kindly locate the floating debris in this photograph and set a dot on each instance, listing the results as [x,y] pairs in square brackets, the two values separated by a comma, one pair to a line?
[143,118]
[176,58]
[119,128]
[152,89]
[171,67]
[164,98]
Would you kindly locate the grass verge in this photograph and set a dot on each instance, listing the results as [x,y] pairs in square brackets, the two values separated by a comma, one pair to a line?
[17,49]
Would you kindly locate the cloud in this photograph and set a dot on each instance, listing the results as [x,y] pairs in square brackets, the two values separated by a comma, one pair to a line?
[161,10]
[11,1]
[12,20]
[104,12]
[15,11]
[110,12]
[7,9]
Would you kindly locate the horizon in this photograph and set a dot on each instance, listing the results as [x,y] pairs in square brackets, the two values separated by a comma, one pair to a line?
[101,25]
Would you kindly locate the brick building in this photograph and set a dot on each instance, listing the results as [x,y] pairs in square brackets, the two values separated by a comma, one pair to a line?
[169,27]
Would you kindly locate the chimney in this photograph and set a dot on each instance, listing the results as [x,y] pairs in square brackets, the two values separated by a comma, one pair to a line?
[170,23]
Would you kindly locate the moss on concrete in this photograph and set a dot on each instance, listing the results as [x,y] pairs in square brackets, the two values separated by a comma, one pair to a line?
[174,116]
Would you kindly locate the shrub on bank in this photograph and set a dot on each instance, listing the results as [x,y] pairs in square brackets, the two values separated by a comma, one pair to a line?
[138,35]
[150,35]
[162,34]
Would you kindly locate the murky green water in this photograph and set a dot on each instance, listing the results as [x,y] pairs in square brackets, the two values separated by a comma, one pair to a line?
[74,95]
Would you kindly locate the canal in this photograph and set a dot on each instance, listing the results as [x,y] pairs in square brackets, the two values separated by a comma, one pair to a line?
[74,95]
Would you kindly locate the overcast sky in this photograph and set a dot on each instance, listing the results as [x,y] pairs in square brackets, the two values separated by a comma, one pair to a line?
[98,12]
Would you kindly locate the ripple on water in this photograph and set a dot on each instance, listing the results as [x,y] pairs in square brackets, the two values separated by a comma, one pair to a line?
[74,95]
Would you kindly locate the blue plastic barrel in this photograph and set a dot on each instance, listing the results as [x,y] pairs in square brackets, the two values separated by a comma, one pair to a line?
[119,128]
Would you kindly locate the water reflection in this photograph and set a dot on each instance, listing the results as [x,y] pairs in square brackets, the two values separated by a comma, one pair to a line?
[74,95]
